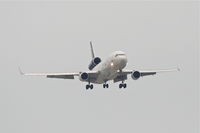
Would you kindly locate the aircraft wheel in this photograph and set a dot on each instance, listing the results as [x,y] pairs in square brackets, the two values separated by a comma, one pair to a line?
[120,86]
[104,86]
[107,85]
[87,87]
[124,85]
[91,86]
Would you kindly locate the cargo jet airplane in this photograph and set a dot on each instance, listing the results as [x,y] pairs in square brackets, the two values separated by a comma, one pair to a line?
[102,71]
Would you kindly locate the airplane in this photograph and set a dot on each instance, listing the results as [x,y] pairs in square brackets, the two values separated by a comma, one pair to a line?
[100,72]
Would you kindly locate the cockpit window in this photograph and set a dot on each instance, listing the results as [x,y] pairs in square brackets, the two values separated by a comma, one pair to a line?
[119,55]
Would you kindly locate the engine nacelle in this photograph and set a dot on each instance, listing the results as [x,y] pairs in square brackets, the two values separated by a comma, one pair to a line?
[136,75]
[95,61]
[84,76]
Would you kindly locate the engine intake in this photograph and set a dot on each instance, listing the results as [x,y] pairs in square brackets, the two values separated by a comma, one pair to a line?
[136,75]
[84,76]
[95,61]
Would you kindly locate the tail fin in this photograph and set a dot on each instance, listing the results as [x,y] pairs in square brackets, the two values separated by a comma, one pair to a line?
[92,51]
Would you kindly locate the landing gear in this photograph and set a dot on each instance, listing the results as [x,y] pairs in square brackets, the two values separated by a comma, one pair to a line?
[105,85]
[89,86]
[122,85]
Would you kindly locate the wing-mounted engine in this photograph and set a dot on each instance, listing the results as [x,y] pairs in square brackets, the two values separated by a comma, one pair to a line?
[95,61]
[84,76]
[136,75]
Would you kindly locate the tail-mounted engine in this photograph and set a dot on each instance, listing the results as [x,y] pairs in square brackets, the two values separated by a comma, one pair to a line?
[95,61]
[136,75]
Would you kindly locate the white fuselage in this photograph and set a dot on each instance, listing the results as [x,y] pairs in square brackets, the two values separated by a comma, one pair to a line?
[107,70]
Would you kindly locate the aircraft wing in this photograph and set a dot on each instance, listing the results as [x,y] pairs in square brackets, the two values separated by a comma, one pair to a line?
[122,75]
[58,75]
[149,72]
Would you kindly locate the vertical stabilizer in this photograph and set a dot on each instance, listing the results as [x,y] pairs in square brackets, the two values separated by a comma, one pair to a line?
[92,51]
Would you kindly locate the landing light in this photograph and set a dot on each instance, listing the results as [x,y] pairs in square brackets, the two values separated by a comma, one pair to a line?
[111,64]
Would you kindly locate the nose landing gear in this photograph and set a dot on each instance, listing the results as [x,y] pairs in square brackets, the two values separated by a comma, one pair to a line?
[105,85]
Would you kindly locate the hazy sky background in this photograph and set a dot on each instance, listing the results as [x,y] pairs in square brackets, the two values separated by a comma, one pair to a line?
[54,37]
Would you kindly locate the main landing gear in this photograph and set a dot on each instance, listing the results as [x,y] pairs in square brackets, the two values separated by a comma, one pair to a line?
[122,85]
[89,86]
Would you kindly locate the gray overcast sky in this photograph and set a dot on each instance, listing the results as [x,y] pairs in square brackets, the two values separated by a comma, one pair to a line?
[54,37]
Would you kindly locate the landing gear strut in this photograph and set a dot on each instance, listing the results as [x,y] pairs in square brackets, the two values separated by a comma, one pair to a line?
[89,86]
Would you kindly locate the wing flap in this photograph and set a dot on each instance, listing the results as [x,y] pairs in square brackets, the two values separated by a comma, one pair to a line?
[61,76]
[147,73]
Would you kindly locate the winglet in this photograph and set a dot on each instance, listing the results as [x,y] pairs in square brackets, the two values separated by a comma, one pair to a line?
[20,71]
[92,51]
